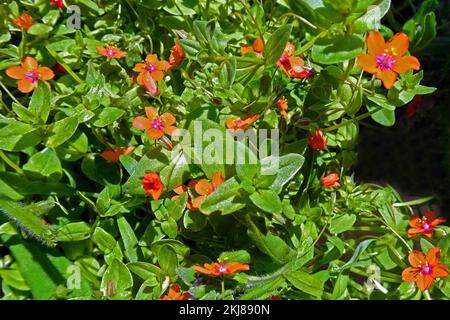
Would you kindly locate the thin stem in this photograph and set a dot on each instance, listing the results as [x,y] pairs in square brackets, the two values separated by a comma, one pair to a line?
[9,162]
[64,65]
[253,18]
[299,18]
[356,119]
[10,95]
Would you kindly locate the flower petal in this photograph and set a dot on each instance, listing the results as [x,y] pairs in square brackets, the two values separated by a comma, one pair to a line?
[157,75]
[424,282]
[139,67]
[155,134]
[203,187]
[151,58]
[415,258]
[162,65]
[375,43]
[433,256]
[217,179]
[398,44]
[410,274]
[404,64]
[388,78]
[46,73]
[151,112]
[16,72]
[25,86]
[101,50]
[141,123]
[168,118]
[258,45]
[440,271]
[246,49]
[368,63]
[29,63]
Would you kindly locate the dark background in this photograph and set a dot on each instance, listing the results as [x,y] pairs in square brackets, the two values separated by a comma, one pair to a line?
[413,156]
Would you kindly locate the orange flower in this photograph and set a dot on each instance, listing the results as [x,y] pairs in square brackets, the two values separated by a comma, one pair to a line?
[180,190]
[176,55]
[24,21]
[317,141]
[150,71]
[175,294]
[151,182]
[204,188]
[221,268]
[156,126]
[234,124]
[282,107]
[425,268]
[330,181]
[29,73]
[293,66]
[386,59]
[425,225]
[257,47]
[57,3]
[114,155]
[111,52]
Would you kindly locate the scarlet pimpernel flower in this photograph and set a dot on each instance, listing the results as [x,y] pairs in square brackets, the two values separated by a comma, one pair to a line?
[293,66]
[257,47]
[223,268]
[111,52]
[114,155]
[204,188]
[176,55]
[234,124]
[387,59]
[424,225]
[155,126]
[317,140]
[57,3]
[282,107]
[24,21]
[330,181]
[29,73]
[151,71]
[152,184]
[176,294]
[424,269]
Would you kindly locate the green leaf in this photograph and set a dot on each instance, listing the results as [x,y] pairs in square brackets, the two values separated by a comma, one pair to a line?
[228,73]
[224,199]
[288,166]
[117,281]
[40,104]
[130,242]
[265,290]
[44,164]
[362,246]
[62,130]
[384,117]
[105,242]
[107,116]
[305,282]
[24,218]
[39,29]
[342,223]
[75,231]
[240,256]
[176,172]
[276,43]
[167,259]
[267,200]
[16,136]
[337,49]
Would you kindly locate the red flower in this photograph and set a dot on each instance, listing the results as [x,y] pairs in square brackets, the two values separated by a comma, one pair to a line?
[386,60]
[151,71]
[293,66]
[175,294]
[317,141]
[425,225]
[151,182]
[204,188]
[29,73]
[234,124]
[282,107]
[412,107]
[425,269]
[257,47]
[221,268]
[156,126]
[57,3]
[176,55]
[330,181]
[111,52]
[24,21]
[114,155]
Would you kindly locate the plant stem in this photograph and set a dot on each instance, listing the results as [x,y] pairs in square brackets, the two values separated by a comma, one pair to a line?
[10,95]
[10,163]
[356,119]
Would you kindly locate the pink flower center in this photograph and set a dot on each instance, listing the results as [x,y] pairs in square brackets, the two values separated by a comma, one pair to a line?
[157,123]
[426,269]
[239,123]
[110,52]
[150,68]
[32,76]
[385,61]
[425,226]
[222,267]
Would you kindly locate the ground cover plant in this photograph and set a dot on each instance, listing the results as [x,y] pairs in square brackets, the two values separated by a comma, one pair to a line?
[117,180]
